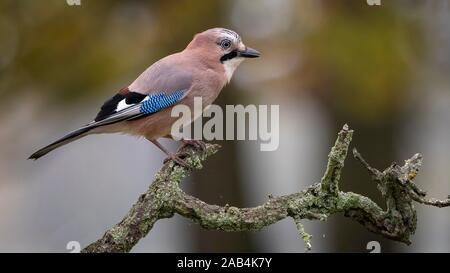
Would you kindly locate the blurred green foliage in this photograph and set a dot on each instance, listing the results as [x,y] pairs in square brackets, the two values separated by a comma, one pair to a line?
[360,63]
[364,58]
[67,53]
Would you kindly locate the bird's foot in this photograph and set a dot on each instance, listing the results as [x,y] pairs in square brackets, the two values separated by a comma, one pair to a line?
[178,159]
[197,144]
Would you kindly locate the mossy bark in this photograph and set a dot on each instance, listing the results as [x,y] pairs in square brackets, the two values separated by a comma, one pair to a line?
[164,198]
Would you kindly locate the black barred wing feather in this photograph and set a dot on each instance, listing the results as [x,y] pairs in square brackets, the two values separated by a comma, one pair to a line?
[128,109]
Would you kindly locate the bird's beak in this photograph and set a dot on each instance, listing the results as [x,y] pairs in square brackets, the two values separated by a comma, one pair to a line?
[249,53]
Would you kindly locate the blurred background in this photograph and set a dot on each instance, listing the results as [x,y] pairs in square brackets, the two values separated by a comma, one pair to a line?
[384,70]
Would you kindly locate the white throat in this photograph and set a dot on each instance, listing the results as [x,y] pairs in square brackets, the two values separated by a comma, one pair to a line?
[230,66]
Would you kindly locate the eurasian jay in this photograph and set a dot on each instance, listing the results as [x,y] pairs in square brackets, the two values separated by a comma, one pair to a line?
[143,108]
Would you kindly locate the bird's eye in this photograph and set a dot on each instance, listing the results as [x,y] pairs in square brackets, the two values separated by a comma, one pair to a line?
[225,44]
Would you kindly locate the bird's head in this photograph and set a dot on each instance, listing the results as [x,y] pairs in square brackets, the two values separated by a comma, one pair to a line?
[223,46]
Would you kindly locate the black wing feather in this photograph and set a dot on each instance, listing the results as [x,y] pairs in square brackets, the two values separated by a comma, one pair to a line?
[110,106]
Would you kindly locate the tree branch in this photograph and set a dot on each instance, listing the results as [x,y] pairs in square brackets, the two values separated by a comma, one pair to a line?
[164,198]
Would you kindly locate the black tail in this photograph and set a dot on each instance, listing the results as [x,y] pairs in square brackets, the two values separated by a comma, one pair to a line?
[72,136]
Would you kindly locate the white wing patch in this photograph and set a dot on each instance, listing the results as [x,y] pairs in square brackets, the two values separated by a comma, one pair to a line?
[123,104]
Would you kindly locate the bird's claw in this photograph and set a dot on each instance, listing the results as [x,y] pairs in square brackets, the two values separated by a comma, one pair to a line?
[198,144]
[178,159]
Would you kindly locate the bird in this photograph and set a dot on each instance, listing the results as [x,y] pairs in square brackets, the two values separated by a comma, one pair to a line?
[143,108]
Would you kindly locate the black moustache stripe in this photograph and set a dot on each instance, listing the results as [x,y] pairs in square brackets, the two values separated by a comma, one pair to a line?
[229,56]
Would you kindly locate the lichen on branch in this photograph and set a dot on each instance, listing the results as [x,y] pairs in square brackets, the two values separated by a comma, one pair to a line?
[164,198]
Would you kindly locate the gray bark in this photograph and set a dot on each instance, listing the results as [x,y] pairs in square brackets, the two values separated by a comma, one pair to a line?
[164,198]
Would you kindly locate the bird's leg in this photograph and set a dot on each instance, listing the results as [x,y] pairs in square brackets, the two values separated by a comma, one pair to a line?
[170,156]
[198,144]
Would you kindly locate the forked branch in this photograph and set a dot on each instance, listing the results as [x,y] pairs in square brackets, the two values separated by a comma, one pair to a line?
[164,198]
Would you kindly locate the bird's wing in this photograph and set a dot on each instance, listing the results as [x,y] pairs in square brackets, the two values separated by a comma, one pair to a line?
[169,87]
[161,85]
[150,104]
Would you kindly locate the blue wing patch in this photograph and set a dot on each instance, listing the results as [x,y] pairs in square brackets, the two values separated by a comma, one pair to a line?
[155,102]
[148,105]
